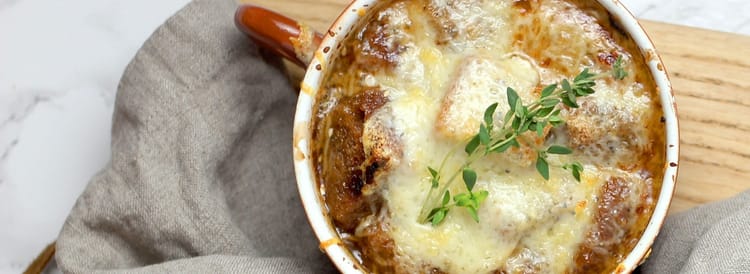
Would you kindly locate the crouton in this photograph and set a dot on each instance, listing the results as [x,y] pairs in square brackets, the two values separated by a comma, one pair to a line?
[480,82]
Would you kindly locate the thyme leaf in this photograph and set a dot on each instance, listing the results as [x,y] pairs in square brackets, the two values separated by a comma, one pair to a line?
[534,117]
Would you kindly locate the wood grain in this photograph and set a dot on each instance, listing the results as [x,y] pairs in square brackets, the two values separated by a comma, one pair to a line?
[710,73]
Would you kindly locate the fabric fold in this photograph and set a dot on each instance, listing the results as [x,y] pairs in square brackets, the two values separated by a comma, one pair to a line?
[201,176]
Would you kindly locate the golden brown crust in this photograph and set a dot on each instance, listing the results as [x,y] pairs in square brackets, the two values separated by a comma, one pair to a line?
[615,231]
[439,20]
[340,174]
[380,44]
[583,134]
[545,25]
[377,248]
[340,169]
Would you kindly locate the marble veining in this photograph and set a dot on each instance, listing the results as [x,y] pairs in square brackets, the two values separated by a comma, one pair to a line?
[60,65]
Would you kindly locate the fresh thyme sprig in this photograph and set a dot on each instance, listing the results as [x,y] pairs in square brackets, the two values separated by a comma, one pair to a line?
[520,119]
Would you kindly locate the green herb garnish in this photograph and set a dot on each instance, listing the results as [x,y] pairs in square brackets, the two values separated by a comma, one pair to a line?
[520,119]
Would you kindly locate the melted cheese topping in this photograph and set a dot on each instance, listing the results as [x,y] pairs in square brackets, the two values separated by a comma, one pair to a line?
[522,211]
[437,92]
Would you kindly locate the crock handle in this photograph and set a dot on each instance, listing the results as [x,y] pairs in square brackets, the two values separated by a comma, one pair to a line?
[280,34]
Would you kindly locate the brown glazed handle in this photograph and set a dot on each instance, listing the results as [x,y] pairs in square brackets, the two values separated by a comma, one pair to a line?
[42,260]
[278,33]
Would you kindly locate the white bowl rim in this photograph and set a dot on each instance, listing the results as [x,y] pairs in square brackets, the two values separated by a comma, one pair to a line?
[310,194]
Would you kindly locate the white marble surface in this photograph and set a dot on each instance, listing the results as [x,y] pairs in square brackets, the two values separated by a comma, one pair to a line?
[60,62]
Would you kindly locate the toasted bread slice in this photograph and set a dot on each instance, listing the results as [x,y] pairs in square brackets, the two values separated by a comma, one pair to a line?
[480,82]
[613,132]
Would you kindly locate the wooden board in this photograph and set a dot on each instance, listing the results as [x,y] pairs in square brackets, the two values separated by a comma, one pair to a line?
[710,73]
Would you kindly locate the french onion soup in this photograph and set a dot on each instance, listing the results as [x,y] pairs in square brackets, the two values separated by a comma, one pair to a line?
[488,136]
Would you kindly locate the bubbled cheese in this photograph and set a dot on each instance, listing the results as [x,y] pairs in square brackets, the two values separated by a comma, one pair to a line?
[437,94]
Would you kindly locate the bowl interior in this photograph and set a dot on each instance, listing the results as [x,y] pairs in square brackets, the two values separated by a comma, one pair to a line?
[358,10]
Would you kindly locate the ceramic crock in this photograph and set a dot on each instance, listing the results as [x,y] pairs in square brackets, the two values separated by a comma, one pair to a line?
[314,51]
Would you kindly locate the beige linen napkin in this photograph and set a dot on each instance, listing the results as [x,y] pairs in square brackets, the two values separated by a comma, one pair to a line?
[713,238]
[201,177]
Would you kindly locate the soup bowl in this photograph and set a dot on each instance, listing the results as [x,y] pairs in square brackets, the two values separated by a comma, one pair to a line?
[314,51]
